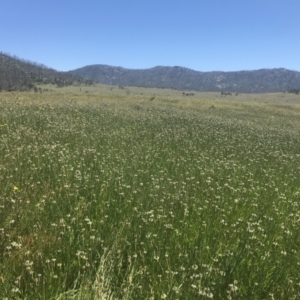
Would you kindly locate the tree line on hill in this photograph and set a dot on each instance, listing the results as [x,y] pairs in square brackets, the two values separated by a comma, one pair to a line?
[23,75]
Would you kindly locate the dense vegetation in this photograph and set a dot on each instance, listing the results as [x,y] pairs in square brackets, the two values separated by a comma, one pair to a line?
[258,81]
[18,74]
[124,198]
[294,91]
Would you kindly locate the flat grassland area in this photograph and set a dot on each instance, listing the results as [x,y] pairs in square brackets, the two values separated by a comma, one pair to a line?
[127,193]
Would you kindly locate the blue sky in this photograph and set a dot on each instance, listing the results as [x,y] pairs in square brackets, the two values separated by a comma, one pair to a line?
[204,35]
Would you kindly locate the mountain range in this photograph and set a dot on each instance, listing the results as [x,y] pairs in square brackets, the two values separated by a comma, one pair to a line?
[257,81]
[19,74]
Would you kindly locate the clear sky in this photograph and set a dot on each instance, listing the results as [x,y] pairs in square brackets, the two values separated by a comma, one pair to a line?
[204,35]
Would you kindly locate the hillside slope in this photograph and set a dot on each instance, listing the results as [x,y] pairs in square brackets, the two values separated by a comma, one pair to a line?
[18,74]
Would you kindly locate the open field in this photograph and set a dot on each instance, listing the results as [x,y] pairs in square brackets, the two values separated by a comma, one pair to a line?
[117,195]
[146,93]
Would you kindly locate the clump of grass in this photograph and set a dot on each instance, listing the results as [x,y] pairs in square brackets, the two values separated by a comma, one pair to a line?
[111,198]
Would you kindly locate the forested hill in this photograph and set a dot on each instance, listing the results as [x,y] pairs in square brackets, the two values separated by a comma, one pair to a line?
[258,81]
[18,74]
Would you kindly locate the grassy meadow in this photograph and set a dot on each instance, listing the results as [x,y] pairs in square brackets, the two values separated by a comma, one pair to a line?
[109,193]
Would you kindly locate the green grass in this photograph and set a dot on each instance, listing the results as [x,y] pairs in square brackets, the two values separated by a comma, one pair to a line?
[117,197]
[282,99]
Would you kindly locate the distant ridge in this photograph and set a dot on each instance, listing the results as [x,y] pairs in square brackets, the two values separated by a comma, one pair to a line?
[257,81]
